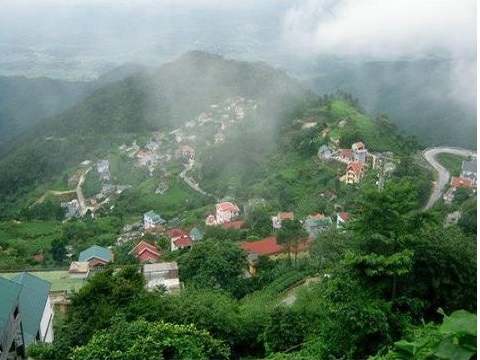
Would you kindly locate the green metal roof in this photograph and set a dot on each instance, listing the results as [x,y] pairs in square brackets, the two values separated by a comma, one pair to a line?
[9,295]
[33,298]
[96,251]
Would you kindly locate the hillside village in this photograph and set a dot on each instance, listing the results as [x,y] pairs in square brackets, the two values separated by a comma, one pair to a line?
[152,239]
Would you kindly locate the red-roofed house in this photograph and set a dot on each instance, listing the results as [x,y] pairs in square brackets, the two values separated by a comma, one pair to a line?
[179,239]
[269,246]
[354,173]
[266,246]
[225,211]
[342,218]
[187,152]
[458,182]
[145,252]
[233,224]
[277,220]
[345,154]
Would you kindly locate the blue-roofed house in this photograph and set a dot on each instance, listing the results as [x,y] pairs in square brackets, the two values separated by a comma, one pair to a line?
[35,308]
[196,234]
[316,223]
[151,220]
[96,256]
[11,334]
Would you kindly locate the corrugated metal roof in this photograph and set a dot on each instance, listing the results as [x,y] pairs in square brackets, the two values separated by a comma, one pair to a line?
[9,297]
[96,251]
[33,298]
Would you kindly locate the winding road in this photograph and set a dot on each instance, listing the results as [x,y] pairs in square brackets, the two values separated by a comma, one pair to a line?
[443,175]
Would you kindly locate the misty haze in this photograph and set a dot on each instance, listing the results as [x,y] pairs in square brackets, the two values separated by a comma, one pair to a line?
[261,179]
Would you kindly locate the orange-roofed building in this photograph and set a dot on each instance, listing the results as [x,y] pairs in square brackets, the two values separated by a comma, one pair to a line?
[281,216]
[266,246]
[354,173]
[458,182]
[225,211]
[146,252]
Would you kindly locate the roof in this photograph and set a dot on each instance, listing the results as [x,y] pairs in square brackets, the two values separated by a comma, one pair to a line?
[285,215]
[196,234]
[316,216]
[178,233]
[184,241]
[343,216]
[9,298]
[78,267]
[160,267]
[469,166]
[233,224]
[227,206]
[266,246]
[33,299]
[356,167]
[358,146]
[143,246]
[154,216]
[460,182]
[346,153]
[324,148]
[96,251]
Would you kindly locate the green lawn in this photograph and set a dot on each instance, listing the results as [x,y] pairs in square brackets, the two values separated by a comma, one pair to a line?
[60,279]
[451,162]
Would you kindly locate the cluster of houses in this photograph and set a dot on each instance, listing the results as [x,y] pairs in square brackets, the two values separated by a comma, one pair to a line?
[357,160]
[467,179]
[26,314]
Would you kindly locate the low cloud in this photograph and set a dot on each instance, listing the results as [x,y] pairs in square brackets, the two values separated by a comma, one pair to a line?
[382,28]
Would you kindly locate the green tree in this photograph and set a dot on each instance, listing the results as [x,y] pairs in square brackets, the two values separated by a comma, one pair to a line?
[291,235]
[329,247]
[214,264]
[141,340]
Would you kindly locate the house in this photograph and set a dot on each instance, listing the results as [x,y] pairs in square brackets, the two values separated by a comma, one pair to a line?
[72,208]
[36,308]
[179,239]
[79,270]
[145,252]
[151,220]
[103,169]
[161,274]
[225,211]
[345,155]
[324,152]
[210,220]
[359,152]
[354,173]
[469,170]
[147,158]
[342,218]
[316,223]
[277,220]
[12,340]
[187,152]
[96,256]
[267,246]
[196,234]
[458,182]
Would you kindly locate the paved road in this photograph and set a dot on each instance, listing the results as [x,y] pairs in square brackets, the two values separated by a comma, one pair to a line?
[443,175]
[80,197]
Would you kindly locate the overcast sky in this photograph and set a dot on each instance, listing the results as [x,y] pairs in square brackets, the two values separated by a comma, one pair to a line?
[373,28]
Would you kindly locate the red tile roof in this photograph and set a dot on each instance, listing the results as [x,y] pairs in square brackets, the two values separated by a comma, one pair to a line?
[227,206]
[145,251]
[233,224]
[266,246]
[344,216]
[285,215]
[269,246]
[356,167]
[346,154]
[184,241]
[460,182]
[177,233]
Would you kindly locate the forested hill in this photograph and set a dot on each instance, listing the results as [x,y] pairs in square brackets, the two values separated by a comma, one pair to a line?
[166,97]
[156,99]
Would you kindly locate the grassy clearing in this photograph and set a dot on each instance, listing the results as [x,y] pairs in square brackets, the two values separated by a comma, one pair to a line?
[60,280]
[451,162]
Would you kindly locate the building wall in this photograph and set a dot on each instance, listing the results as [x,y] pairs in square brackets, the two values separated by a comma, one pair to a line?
[46,324]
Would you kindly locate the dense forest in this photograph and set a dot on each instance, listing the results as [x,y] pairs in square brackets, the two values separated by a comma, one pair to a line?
[396,281]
